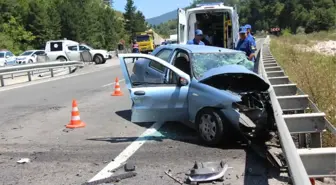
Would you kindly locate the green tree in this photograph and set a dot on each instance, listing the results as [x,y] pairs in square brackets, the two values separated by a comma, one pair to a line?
[130,15]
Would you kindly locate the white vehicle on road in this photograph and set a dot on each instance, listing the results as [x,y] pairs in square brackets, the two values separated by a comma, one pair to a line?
[65,50]
[7,58]
[29,56]
[221,20]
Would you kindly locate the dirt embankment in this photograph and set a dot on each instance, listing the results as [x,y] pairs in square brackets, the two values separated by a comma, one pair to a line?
[323,47]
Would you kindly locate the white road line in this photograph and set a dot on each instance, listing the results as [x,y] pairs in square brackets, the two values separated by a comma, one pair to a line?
[127,153]
[106,85]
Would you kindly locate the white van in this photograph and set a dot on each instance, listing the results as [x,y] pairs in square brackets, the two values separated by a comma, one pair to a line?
[221,20]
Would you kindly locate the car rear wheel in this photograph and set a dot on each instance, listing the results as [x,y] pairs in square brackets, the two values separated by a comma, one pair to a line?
[61,59]
[210,123]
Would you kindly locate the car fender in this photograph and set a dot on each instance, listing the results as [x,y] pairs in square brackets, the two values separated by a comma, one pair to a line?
[202,95]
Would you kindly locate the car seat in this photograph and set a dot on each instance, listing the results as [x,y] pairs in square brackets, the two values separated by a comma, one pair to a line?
[183,64]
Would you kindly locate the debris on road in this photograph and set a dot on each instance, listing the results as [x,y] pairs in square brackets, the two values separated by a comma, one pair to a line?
[23,161]
[129,167]
[113,178]
[172,177]
[208,171]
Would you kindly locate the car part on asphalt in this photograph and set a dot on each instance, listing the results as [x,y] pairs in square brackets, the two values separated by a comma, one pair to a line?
[208,171]
[129,167]
[172,177]
[113,178]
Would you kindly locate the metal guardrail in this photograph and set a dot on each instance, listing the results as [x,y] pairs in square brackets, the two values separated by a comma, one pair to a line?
[28,68]
[296,114]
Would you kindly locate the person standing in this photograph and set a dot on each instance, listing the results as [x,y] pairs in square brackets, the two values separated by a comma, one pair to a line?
[198,38]
[244,44]
[135,49]
[250,37]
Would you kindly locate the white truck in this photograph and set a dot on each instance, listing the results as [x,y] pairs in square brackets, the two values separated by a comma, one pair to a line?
[221,21]
[65,50]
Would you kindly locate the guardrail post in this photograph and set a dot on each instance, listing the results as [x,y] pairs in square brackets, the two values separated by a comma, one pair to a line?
[12,75]
[2,81]
[69,70]
[52,72]
[29,76]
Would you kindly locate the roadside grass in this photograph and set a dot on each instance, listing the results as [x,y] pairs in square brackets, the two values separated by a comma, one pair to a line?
[314,73]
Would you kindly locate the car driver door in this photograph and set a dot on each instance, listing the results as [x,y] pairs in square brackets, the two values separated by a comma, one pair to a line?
[160,101]
[72,52]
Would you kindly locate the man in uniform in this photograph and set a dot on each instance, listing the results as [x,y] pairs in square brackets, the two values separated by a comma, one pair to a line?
[250,37]
[244,44]
[198,38]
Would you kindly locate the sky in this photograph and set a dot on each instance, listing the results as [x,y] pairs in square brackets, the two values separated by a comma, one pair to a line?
[152,8]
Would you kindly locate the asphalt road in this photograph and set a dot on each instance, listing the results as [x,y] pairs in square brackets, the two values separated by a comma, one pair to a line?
[32,125]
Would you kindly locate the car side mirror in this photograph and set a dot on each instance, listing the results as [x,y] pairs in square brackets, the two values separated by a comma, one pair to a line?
[182,81]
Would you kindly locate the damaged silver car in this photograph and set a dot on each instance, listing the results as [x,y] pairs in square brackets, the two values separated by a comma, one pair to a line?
[210,89]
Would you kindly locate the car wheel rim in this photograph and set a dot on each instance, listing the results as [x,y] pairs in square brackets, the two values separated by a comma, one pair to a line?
[207,127]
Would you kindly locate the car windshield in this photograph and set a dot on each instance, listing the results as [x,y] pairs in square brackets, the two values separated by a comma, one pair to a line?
[203,62]
[2,55]
[141,38]
[26,53]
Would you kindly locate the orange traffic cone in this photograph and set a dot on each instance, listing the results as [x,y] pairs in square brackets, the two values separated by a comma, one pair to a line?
[117,91]
[75,121]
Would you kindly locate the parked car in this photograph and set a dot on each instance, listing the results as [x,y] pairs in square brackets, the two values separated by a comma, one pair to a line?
[210,89]
[65,50]
[29,56]
[7,58]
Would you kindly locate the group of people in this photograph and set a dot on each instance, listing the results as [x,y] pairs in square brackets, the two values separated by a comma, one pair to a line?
[246,41]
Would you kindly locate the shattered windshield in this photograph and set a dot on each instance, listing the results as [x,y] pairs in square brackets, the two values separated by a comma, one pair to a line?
[203,62]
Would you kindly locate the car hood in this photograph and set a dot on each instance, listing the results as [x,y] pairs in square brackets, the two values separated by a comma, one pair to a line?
[235,78]
[99,50]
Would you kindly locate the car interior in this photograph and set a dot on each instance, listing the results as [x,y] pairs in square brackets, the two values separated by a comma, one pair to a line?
[182,62]
[215,22]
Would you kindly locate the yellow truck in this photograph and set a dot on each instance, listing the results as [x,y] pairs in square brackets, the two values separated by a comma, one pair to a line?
[147,41]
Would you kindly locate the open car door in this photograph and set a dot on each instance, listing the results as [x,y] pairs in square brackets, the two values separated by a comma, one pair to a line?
[157,101]
[181,26]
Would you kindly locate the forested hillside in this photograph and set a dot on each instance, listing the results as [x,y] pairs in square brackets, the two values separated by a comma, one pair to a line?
[296,15]
[28,24]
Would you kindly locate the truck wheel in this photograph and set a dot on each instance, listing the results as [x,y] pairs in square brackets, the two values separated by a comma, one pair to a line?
[211,126]
[98,59]
[61,59]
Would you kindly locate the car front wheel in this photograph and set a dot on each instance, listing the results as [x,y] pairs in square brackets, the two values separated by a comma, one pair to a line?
[210,123]
[98,59]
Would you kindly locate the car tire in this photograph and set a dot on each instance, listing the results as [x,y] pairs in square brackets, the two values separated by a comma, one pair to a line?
[30,62]
[104,61]
[208,120]
[61,59]
[98,59]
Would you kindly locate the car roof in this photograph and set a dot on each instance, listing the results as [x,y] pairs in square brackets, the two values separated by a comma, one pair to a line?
[200,49]
[64,41]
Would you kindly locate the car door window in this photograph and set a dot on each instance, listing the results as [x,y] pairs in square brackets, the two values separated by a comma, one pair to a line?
[73,48]
[140,77]
[39,53]
[164,54]
[10,54]
[83,48]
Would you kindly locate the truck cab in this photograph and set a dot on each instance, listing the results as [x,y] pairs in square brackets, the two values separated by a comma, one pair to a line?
[215,19]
